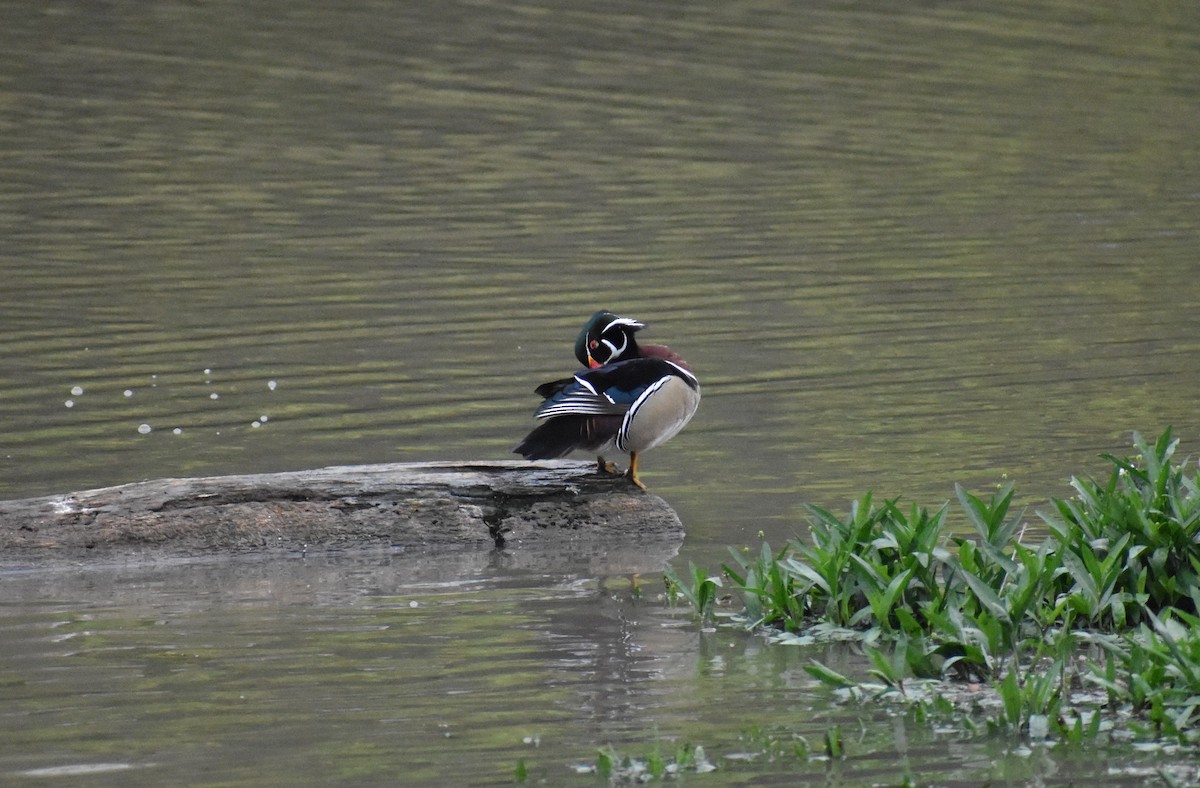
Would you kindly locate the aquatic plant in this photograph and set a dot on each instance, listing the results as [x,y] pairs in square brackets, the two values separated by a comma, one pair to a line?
[653,766]
[700,590]
[1133,541]
[1119,570]
[1156,671]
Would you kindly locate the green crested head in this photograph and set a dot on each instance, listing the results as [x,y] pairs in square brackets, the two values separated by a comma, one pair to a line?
[607,338]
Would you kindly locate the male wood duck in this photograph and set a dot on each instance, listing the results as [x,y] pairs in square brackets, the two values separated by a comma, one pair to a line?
[607,339]
[632,397]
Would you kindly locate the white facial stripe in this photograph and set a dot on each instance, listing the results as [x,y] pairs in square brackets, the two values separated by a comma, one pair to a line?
[615,351]
[623,321]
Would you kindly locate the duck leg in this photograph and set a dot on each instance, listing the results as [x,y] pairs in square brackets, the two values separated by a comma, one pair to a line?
[604,466]
[631,474]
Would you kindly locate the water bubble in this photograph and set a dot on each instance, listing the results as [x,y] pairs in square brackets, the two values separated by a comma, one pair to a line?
[255,424]
[207,371]
[214,395]
[77,390]
[271,385]
[263,419]
[70,403]
[414,603]
[144,428]
[128,392]
[177,431]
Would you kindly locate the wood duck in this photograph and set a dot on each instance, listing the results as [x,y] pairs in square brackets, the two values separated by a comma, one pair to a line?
[607,339]
[633,397]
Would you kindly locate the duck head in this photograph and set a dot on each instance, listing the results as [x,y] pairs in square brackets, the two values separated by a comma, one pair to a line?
[607,338]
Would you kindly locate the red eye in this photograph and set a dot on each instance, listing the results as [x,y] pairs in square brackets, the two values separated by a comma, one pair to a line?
[593,345]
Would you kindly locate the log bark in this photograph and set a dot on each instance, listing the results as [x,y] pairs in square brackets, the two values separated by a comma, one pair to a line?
[404,505]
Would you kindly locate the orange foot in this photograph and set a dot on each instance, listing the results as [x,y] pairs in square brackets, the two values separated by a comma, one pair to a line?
[631,474]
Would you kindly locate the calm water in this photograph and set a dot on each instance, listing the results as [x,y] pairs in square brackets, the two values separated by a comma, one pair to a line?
[902,248]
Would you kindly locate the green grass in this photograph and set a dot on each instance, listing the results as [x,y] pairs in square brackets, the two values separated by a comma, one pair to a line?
[1109,598]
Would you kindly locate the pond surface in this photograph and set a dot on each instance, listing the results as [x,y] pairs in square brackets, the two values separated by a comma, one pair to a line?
[901,247]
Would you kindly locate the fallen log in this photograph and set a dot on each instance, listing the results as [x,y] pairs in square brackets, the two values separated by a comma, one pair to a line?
[401,505]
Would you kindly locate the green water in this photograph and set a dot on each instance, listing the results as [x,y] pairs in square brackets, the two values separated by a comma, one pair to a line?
[902,247]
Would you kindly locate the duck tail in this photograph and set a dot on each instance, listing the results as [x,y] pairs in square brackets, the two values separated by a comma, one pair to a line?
[556,438]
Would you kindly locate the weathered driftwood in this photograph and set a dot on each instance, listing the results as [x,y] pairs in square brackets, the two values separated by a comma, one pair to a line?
[406,504]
